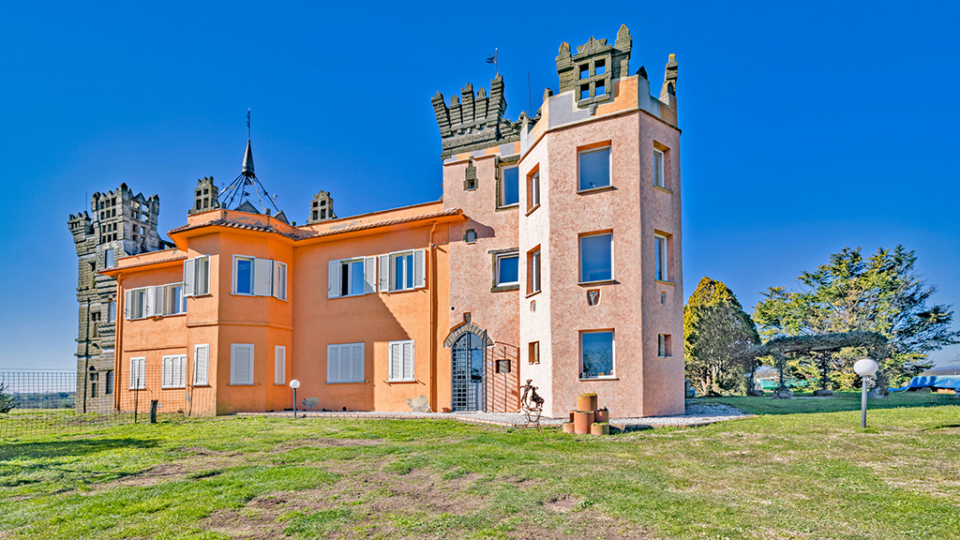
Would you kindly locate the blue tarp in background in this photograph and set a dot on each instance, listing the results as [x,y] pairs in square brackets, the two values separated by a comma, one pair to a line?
[950,383]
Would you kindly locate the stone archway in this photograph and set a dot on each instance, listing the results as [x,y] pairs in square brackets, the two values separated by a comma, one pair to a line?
[467,327]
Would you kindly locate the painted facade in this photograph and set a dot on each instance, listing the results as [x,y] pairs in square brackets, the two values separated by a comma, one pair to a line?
[554,255]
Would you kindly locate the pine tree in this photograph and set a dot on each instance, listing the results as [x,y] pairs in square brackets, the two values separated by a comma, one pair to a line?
[718,336]
[7,402]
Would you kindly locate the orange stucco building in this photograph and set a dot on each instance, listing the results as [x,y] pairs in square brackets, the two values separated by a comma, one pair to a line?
[554,255]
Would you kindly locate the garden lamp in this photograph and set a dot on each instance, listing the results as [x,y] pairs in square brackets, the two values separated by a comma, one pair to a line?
[294,384]
[864,368]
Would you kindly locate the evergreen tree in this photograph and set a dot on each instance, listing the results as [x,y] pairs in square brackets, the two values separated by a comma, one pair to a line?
[882,293]
[7,402]
[718,336]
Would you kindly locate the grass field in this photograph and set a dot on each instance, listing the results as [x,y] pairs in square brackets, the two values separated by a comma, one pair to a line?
[802,469]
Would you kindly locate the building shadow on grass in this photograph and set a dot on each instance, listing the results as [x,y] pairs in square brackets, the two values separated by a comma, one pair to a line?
[839,402]
[76,447]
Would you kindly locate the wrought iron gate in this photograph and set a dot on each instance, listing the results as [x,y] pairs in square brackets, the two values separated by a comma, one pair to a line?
[469,389]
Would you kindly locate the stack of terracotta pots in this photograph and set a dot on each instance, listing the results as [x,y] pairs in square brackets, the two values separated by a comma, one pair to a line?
[588,418]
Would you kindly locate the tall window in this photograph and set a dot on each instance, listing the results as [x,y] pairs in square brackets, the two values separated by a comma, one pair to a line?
[533,267]
[138,373]
[403,271]
[280,281]
[345,363]
[533,190]
[596,354]
[201,364]
[533,353]
[658,176]
[664,349]
[662,270]
[174,302]
[594,168]
[108,260]
[241,364]
[137,303]
[243,275]
[596,257]
[111,311]
[509,186]
[508,269]
[279,365]
[203,275]
[109,385]
[401,361]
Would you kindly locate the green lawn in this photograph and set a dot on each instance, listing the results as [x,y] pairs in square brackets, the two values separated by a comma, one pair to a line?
[783,474]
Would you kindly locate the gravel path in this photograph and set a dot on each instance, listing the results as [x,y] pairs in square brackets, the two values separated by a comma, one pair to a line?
[697,414]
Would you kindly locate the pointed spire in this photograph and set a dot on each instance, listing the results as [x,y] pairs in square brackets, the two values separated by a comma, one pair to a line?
[248,161]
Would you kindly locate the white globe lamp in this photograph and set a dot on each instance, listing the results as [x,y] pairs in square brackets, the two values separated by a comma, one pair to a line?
[865,367]
[294,384]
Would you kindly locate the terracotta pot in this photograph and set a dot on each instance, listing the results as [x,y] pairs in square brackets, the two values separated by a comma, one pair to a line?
[445,409]
[582,421]
[600,429]
[602,415]
[568,427]
[571,415]
[587,402]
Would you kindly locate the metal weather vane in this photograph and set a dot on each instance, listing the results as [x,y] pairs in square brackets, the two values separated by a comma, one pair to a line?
[236,192]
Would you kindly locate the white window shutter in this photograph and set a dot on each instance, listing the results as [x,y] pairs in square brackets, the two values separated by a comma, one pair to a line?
[333,363]
[201,362]
[183,371]
[356,363]
[280,365]
[149,299]
[263,277]
[408,360]
[241,364]
[419,269]
[369,275]
[396,361]
[333,279]
[386,271]
[165,372]
[279,280]
[189,277]
[127,304]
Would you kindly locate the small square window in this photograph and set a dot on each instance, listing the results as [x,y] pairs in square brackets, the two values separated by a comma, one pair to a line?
[599,68]
[585,71]
[470,236]
[585,91]
[508,269]
[596,354]
[601,88]
[594,168]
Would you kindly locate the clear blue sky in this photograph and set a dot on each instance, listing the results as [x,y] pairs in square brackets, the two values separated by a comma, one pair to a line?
[807,126]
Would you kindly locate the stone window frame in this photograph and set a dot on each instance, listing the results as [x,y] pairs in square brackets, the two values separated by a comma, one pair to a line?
[470,180]
[591,81]
[495,254]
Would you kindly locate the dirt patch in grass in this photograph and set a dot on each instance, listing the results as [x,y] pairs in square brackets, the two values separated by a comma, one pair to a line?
[324,443]
[164,472]
[244,525]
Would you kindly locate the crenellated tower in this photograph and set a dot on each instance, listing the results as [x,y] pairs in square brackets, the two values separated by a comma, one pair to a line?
[321,208]
[475,123]
[205,196]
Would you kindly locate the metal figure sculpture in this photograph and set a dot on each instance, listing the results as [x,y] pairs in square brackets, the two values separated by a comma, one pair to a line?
[531,405]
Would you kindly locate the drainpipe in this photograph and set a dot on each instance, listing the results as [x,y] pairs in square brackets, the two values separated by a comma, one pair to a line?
[117,357]
[86,355]
[433,320]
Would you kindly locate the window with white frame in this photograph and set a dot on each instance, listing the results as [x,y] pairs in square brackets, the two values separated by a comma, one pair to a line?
[138,373]
[196,276]
[345,363]
[596,354]
[352,277]
[174,302]
[509,186]
[201,364]
[280,280]
[243,275]
[533,187]
[111,311]
[507,269]
[401,361]
[279,364]
[174,374]
[136,304]
[108,260]
[662,258]
[594,167]
[596,257]
[403,271]
[658,173]
[241,364]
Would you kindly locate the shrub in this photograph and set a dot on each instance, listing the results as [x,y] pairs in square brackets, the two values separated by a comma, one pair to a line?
[6,400]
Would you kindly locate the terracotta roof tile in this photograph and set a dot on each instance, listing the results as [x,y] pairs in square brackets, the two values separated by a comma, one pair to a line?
[144,263]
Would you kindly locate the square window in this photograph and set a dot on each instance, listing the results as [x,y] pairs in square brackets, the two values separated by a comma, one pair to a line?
[242,275]
[174,302]
[599,68]
[345,363]
[585,71]
[401,361]
[664,349]
[662,269]
[470,236]
[594,168]
[508,269]
[509,186]
[533,353]
[596,257]
[596,354]
[658,176]
[585,91]
[601,88]
[351,278]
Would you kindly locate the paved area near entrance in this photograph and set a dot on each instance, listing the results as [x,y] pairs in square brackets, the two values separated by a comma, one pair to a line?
[697,414]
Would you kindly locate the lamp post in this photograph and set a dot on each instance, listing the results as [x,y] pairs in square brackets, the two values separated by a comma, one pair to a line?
[296,384]
[864,368]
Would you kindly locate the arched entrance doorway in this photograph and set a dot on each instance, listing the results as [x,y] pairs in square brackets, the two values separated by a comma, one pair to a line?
[468,388]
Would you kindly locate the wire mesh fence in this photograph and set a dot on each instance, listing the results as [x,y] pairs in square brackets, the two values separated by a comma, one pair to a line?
[53,402]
